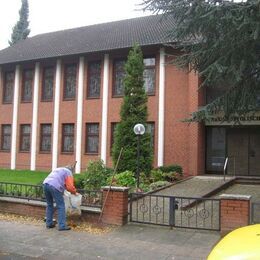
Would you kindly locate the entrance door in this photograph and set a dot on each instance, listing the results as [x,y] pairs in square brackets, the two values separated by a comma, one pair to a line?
[243,149]
[254,153]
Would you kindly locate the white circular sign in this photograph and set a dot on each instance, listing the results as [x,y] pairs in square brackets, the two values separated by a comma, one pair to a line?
[139,129]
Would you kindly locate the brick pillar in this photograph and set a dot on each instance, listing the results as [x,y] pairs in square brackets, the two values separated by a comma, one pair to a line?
[235,211]
[115,210]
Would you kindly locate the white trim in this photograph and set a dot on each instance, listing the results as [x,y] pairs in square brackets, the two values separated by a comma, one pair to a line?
[104,108]
[35,115]
[15,116]
[161,108]
[79,114]
[55,139]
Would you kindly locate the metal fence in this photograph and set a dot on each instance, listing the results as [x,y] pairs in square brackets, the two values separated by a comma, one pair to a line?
[255,213]
[35,192]
[183,212]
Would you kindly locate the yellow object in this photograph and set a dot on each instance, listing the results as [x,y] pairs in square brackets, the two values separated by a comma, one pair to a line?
[240,244]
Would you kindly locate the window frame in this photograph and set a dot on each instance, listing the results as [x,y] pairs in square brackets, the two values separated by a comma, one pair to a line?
[89,77]
[150,67]
[24,135]
[92,135]
[43,99]
[4,101]
[112,134]
[66,66]
[23,99]
[152,136]
[45,135]
[3,137]
[69,135]
[114,95]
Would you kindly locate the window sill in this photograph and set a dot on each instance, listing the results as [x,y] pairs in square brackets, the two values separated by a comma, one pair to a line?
[118,96]
[68,99]
[24,151]
[5,151]
[91,154]
[7,103]
[49,100]
[44,152]
[93,97]
[67,153]
[25,102]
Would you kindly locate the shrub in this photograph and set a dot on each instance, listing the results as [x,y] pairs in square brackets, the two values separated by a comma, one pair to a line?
[171,176]
[156,175]
[125,179]
[171,168]
[159,184]
[79,181]
[96,175]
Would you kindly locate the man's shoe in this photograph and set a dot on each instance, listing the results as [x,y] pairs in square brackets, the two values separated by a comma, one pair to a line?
[51,226]
[65,229]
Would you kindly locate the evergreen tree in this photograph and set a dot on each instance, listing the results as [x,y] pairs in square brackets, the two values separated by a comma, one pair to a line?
[133,111]
[21,29]
[220,40]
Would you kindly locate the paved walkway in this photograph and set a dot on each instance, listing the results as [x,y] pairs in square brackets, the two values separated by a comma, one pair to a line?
[24,241]
[194,187]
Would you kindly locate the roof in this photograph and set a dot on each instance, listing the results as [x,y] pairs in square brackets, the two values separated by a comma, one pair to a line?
[148,30]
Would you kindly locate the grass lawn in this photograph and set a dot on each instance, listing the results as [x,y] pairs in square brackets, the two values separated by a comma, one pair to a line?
[22,176]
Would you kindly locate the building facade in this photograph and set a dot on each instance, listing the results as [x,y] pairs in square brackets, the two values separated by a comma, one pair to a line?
[61,93]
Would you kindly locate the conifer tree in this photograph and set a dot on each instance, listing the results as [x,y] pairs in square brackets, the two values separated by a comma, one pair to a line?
[21,29]
[220,40]
[133,111]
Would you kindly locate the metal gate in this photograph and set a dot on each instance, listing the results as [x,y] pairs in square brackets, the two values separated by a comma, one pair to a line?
[183,212]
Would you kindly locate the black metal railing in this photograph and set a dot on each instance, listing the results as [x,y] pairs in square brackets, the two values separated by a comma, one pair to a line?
[22,191]
[183,212]
[35,192]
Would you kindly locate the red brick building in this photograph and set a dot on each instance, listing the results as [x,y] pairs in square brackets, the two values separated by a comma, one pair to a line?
[61,92]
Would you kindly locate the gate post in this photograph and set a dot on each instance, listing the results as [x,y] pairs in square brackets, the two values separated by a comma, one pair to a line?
[235,211]
[172,211]
[115,210]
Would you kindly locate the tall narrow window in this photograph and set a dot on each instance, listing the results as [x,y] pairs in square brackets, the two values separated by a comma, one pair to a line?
[6,137]
[27,86]
[70,82]
[92,138]
[68,138]
[25,138]
[149,75]
[113,130]
[8,89]
[119,74]
[94,79]
[45,143]
[47,84]
[150,130]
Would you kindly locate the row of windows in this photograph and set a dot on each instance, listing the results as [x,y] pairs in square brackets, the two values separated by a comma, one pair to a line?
[92,137]
[70,81]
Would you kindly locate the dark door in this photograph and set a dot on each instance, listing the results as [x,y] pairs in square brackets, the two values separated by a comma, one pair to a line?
[243,150]
[254,153]
[237,150]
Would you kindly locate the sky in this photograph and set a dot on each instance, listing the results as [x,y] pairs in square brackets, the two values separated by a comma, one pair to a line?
[54,15]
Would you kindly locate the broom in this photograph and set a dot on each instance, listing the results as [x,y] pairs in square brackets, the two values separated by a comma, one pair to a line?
[115,169]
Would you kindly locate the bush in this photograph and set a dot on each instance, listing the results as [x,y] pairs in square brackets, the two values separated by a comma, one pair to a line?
[79,181]
[125,179]
[156,175]
[96,175]
[159,184]
[171,168]
[172,176]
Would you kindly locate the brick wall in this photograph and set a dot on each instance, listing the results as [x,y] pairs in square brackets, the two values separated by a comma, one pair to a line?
[115,209]
[235,211]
